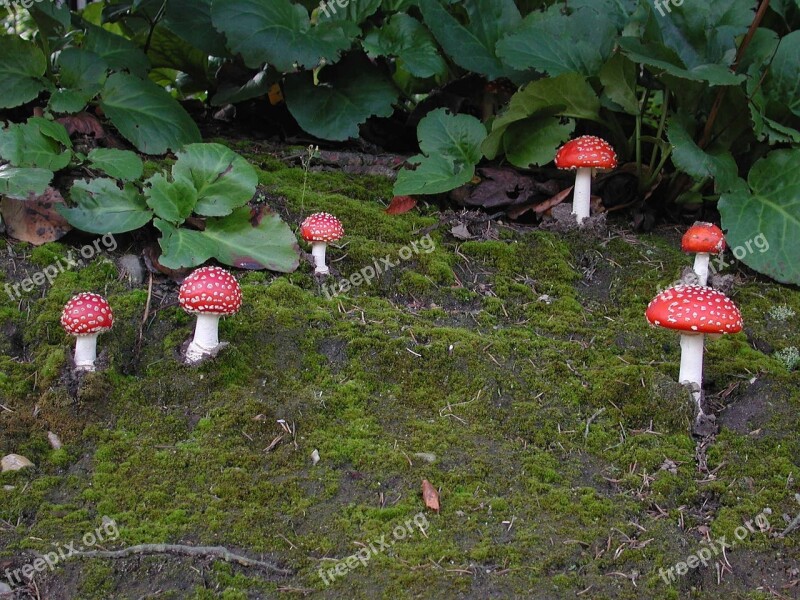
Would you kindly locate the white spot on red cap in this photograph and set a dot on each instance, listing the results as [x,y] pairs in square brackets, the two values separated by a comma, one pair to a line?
[87,314]
[321,227]
[210,291]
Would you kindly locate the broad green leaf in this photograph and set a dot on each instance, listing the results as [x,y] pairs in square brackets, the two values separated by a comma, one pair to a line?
[356,11]
[20,183]
[782,82]
[38,143]
[555,43]
[229,93]
[147,115]
[170,200]
[120,164]
[767,217]
[347,94]
[22,65]
[407,39]
[451,146]
[280,33]
[223,179]
[535,140]
[695,41]
[168,50]
[243,239]
[618,77]
[688,157]
[81,74]
[102,207]
[472,46]
[191,20]
[118,52]
[618,11]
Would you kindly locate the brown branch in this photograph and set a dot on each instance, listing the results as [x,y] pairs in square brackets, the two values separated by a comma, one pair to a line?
[219,552]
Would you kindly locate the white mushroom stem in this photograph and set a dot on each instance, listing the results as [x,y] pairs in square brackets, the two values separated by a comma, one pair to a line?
[582,197]
[692,363]
[206,338]
[318,252]
[85,352]
[701,266]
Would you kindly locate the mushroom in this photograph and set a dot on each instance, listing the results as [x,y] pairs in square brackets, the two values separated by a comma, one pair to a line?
[209,293]
[586,154]
[86,316]
[694,311]
[704,239]
[319,229]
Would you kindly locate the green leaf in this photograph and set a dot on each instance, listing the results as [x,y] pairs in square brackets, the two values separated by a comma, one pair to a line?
[688,157]
[472,46]
[618,77]
[356,11]
[280,33]
[168,50]
[451,149]
[556,43]
[348,94]
[170,200]
[82,74]
[191,20]
[243,239]
[535,140]
[231,93]
[223,179]
[20,183]
[102,207]
[767,217]
[22,65]
[407,39]
[147,115]
[118,52]
[120,164]
[39,143]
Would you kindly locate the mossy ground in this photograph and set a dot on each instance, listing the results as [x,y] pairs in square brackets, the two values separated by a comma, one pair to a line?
[516,373]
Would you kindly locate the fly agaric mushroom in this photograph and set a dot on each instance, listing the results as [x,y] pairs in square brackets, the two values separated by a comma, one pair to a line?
[694,311]
[704,239]
[86,316]
[586,154]
[319,229]
[209,293]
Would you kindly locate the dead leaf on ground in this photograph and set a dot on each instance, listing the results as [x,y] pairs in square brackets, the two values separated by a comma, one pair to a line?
[541,207]
[35,220]
[430,495]
[503,187]
[461,232]
[400,205]
[84,124]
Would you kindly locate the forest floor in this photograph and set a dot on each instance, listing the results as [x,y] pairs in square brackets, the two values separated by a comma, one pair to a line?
[514,370]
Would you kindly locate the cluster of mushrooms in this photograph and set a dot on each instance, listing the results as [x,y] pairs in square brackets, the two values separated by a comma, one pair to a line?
[208,292]
[696,311]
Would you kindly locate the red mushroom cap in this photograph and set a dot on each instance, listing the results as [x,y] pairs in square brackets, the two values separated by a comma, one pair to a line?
[694,308]
[210,291]
[87,314]
[321,227]
[586,151]
[703,237]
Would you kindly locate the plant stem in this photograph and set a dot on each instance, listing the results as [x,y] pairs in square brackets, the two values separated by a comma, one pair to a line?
[661,125]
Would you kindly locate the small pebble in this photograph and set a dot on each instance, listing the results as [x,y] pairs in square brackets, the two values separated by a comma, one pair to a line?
[55,441]
[315,457]
[14,462]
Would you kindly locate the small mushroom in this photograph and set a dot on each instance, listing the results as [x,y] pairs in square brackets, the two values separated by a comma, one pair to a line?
[695,311]
[587,155]
[319,229]
[209,293]
[86,316]
[705,239]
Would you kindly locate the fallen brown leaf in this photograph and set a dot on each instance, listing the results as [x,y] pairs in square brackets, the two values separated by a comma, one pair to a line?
[83,123]
[430,495]
[35,220]
[400,205]
[541,207]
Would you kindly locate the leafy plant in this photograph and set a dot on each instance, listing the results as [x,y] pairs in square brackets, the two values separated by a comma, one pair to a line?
[208,185]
